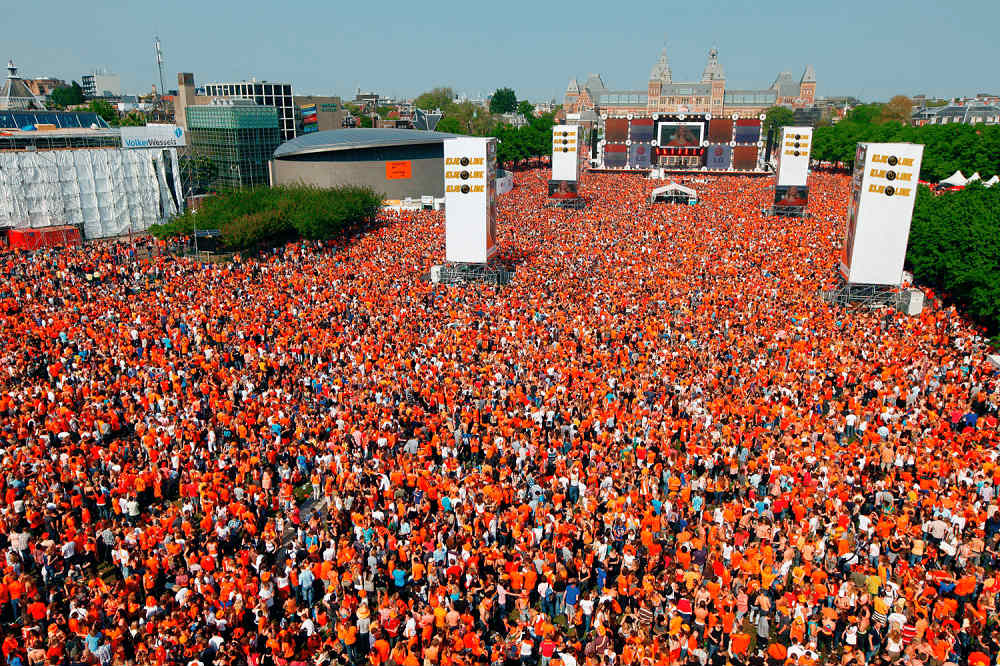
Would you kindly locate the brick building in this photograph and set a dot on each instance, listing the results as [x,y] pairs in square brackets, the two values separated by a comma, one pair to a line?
[709,95]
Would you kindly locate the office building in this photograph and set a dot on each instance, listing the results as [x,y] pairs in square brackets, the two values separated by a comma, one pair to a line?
[101,84]
[318,114]
[238,137]
[263,93]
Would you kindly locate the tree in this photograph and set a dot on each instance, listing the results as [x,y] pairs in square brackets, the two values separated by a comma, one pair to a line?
[451,125]
[777,116]
[437,98]
[366,121]
[504,100]
[67,95]
[104,110]
[899,110]
[526,108]
[865,114]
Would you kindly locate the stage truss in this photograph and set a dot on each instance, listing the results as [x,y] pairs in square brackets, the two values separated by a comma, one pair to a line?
[462,273]
[788,211]
[868,295]
[573,204]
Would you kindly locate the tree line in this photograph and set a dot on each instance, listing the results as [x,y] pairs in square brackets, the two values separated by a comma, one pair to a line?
[947,148]
[516,144]
[955,248]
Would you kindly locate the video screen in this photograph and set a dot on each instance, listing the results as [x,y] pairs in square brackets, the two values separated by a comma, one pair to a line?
[720,130]
[615,156]
[641,129]
[639,155]
[687,135]
[747,130]
[791,195]
[718,157]
[563,189]
[616,130]
[745,158]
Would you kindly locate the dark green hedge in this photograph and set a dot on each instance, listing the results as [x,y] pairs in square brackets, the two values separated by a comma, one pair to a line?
[272,215]
[955,248]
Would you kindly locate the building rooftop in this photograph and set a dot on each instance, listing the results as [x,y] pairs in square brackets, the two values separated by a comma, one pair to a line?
[359,137]
[15,120]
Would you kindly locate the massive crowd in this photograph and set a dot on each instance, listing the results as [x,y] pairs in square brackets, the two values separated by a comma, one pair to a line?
[656,446]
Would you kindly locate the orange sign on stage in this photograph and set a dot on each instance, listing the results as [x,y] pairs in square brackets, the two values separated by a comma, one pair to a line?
[398,170]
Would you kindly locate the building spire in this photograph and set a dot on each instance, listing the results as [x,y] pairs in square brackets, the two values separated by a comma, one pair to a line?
[661,70]
[713,68]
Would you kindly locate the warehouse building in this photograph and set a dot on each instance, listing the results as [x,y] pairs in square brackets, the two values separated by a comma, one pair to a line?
[396,162]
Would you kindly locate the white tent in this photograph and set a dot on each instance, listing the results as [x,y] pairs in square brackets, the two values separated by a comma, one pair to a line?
[992,181]
[973,177]
[955,180]
[673,192]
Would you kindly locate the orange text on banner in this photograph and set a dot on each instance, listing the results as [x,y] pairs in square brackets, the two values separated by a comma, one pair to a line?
[398,170]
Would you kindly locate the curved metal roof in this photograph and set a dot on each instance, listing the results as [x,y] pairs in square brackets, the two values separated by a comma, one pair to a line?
[355,138]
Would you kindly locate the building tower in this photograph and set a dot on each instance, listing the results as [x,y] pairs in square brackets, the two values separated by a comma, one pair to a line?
[807,86]
[658,77]
[715,75]
[571,100]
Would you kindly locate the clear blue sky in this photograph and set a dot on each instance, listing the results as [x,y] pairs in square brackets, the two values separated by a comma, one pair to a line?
[870,49]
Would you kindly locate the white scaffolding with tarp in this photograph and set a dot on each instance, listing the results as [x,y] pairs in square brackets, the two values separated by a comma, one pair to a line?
[107,192]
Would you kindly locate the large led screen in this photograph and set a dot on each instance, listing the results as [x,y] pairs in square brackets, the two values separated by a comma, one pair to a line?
[563,189]
[791,195]
[616,130]
[686,135]
[719,157]
[747,130]
[720,130]
[745,158]
[638,155]
[615,156]
[641,129]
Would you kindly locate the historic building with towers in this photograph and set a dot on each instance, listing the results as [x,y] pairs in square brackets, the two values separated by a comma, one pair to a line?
[709,95]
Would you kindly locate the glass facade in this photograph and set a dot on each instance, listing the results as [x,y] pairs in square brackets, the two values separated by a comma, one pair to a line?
[238,139]
[278,95]
[763,98]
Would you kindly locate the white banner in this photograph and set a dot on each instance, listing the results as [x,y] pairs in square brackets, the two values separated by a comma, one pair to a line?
[792,156]
[469,191]
[153,136]
[883,191]
[565,152]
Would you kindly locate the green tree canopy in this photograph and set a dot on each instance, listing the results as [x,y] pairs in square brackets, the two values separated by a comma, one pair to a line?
[67,95]
[777,116]
[267,216]
[438,98]
[526,108]
[947,148]
[954,246]
[450,124]
[504,100]
[104,110]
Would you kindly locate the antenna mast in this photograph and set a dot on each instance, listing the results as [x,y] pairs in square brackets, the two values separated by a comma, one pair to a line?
[159,64]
